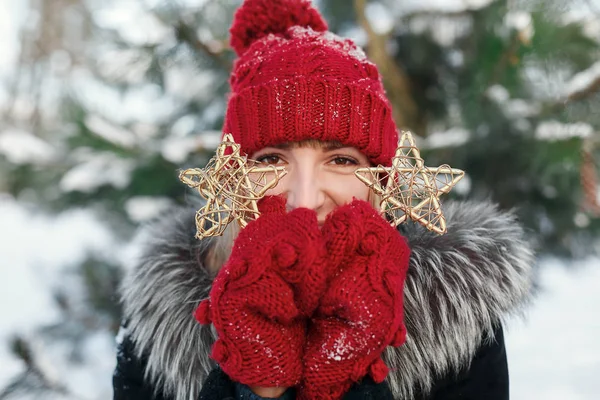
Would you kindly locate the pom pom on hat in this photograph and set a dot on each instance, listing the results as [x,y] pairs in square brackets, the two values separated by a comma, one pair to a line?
[258,18]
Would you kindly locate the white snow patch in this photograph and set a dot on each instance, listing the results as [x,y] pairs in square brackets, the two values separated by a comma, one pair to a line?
[591,28]
[145,208]
[555,130]
[22,147]
[177,149]
[110,132]
[145,131]
[185,126]
[188,83]
[379,17]
[12,15]
[211,139]
[100,169]
[143,103]
[497,93]
[452,137]
[126,65]
[581,220]
[519,108]
[446,31]
[522,22]
[513,108]
[583,79]
[444,6]
[134,24]
[555,353]
[357,34]
[463,187]
[456,58]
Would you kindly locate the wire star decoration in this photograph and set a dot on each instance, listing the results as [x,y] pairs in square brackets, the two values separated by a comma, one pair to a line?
[409,189]
[232,186]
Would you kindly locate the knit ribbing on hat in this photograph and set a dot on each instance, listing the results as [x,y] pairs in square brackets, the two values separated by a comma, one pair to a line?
[296,110]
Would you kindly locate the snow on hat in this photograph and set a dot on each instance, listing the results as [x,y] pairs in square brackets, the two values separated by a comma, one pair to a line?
[294,80]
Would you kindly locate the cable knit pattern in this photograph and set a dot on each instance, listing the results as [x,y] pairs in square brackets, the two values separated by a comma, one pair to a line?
[252,304]
[361,312]
[294,81]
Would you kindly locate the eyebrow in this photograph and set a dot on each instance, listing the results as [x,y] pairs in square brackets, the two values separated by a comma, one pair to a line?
[334,146]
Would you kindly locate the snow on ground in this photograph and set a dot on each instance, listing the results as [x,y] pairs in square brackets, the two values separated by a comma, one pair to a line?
[34,249]
[553,354]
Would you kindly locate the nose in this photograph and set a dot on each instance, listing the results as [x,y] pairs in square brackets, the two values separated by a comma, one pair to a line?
[304,188]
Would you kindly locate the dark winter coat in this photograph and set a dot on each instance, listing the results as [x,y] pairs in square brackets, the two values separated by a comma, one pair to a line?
[460,288]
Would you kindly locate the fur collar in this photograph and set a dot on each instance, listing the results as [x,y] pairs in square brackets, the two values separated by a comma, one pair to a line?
[459,286]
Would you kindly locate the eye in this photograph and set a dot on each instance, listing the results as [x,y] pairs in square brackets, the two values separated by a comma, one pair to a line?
[269,159]
[344,160]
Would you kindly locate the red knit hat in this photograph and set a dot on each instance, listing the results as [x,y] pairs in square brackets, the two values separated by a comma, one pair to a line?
[294,81]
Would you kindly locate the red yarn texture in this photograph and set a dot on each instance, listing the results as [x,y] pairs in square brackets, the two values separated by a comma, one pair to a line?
[294,81]
[259,297]
[361,312]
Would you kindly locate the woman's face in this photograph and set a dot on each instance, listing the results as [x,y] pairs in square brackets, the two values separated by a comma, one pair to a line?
[319,177]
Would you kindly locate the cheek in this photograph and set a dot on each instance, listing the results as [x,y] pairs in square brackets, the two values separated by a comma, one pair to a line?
[280,188]
[343,189]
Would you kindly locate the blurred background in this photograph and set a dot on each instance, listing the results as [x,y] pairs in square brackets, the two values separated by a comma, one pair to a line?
[102,101]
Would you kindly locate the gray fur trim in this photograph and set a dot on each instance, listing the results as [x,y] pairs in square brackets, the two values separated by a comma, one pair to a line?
[459,285]
[159,298]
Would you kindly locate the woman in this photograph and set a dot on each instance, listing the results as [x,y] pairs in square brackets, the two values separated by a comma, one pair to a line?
[311,296]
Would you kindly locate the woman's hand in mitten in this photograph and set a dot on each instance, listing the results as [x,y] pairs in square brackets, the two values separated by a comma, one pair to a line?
[261,330]
[361,312]
[299,252]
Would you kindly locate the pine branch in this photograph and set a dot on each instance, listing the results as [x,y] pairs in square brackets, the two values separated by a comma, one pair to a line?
[588,91]
[553,107]
[33,379]
[187,34]
[394,77]
[509,56]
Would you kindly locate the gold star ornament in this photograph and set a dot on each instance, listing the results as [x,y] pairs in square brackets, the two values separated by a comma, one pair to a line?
[410,190]
[232,186]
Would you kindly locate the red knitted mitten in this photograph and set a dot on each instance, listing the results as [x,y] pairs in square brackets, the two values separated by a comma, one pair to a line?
[361,312]
[299,251]
[252,300]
